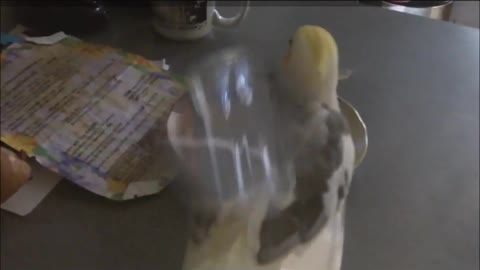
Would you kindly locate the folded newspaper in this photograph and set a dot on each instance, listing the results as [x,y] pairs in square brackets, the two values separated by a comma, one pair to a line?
[94,114]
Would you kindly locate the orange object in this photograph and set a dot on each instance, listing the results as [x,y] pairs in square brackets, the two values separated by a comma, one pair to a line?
[15,171]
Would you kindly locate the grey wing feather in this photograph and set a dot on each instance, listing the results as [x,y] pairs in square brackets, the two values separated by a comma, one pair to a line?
[316,139]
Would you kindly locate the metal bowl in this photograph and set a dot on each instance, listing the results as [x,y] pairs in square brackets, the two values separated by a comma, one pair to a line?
[438,10]
[357,128]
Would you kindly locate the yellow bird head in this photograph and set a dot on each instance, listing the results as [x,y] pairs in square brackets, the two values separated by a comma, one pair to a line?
[310,66]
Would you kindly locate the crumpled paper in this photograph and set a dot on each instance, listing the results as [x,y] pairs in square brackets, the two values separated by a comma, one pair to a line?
[93,114]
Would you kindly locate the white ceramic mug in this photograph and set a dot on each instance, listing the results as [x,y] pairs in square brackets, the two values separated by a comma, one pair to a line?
[189,20]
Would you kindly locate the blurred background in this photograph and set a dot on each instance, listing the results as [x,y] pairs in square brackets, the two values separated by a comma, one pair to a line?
[458,12]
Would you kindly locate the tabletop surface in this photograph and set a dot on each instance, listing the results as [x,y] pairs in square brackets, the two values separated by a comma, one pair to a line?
[414,202]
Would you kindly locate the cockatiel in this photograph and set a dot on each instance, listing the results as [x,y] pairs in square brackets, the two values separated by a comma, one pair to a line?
[317,138]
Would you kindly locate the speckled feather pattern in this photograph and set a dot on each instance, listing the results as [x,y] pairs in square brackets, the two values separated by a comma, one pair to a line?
[317,139]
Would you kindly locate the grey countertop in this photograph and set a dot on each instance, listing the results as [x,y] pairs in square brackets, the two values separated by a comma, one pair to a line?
[414,202]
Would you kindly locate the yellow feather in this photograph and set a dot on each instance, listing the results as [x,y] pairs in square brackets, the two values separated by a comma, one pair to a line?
[322,45]
[311,66]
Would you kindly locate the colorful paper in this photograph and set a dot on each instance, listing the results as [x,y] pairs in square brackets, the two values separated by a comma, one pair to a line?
[94,114]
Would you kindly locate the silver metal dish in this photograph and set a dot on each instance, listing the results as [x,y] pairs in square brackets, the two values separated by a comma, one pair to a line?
[357,128]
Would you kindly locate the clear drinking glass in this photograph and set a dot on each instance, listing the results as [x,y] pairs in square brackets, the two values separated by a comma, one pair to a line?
[235,168]
[230,150]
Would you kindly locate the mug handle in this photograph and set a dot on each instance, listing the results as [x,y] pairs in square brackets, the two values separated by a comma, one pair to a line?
[219,20]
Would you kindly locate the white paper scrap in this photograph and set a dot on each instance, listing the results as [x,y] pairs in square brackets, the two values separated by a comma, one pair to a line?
[162,63]
[33,192]
[47,40]
[165,65]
